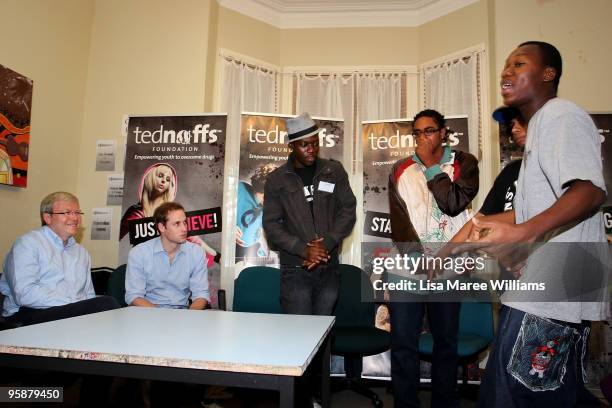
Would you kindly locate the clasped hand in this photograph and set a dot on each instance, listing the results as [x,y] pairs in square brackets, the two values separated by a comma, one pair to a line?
[315,254]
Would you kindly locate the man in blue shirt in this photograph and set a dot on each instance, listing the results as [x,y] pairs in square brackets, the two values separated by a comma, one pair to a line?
[47,273]
[163,271]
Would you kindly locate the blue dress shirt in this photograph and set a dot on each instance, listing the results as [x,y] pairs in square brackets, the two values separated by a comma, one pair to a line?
[151,276]
[41,272]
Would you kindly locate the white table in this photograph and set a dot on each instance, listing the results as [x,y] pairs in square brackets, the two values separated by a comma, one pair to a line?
[209,347]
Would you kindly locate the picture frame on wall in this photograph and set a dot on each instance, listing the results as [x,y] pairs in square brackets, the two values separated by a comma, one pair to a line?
[15,114]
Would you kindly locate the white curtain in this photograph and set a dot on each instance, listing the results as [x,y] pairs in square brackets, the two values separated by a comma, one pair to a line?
[258,89]
[379,96]
[330,96]
[243,87]
[353,97]
[452,88]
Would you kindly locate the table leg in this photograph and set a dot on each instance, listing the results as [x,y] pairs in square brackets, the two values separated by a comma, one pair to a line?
[325,392]
[287,392]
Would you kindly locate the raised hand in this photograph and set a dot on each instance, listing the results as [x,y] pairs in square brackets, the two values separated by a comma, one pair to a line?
[425,150]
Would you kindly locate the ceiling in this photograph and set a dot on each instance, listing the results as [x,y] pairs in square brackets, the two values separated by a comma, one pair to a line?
[345,13]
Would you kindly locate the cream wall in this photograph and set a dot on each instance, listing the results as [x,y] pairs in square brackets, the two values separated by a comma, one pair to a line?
[386,45]
[580,30]
[146,57]
[48,41]
[301,47]
[247,36]
[354,46]
[211,57]
[458,30]
[349,46]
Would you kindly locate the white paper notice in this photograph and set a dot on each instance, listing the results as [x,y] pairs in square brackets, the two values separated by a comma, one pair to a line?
[101,221]
[106,151]
[114,189]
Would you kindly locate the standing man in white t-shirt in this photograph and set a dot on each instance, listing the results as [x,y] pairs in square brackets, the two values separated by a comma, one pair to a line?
[537,352]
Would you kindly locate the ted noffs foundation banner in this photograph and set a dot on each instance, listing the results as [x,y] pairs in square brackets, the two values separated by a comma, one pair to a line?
[175,158]
[596,370]
[603,122]
[263,148]
[384,143]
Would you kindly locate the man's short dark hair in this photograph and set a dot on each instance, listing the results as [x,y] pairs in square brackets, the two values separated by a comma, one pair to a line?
[551,57]
[433,114]
[436,117]
[160,216]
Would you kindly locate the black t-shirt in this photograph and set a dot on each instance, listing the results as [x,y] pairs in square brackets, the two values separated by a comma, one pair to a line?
[307,176]
[501,196]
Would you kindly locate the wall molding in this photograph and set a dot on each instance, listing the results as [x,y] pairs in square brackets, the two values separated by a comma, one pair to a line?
[311,14]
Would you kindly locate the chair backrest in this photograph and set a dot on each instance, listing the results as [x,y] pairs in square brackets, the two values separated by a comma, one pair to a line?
[116,284]
[257,289]
[3,323]
[355,306]
[99,278]
[476,317]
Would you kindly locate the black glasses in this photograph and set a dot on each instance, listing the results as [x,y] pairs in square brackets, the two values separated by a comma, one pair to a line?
[67,213]
[427,131]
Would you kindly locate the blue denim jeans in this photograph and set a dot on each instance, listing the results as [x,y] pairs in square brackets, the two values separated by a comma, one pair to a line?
[406,324]
[309,292]
[534,362]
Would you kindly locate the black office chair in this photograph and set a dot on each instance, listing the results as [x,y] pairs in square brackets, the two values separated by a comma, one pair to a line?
[354,335]
[99,278]
[257,290]
[116,285]
[4,324]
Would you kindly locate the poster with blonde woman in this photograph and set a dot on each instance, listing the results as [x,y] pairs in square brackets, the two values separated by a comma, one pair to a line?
[175,158]
[157,186]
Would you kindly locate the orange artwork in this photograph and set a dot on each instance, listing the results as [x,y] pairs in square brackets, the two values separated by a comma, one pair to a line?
[15,112]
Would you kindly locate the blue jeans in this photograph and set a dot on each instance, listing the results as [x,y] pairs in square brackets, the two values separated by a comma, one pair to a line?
[534,362]
[406,325]
[309,292]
